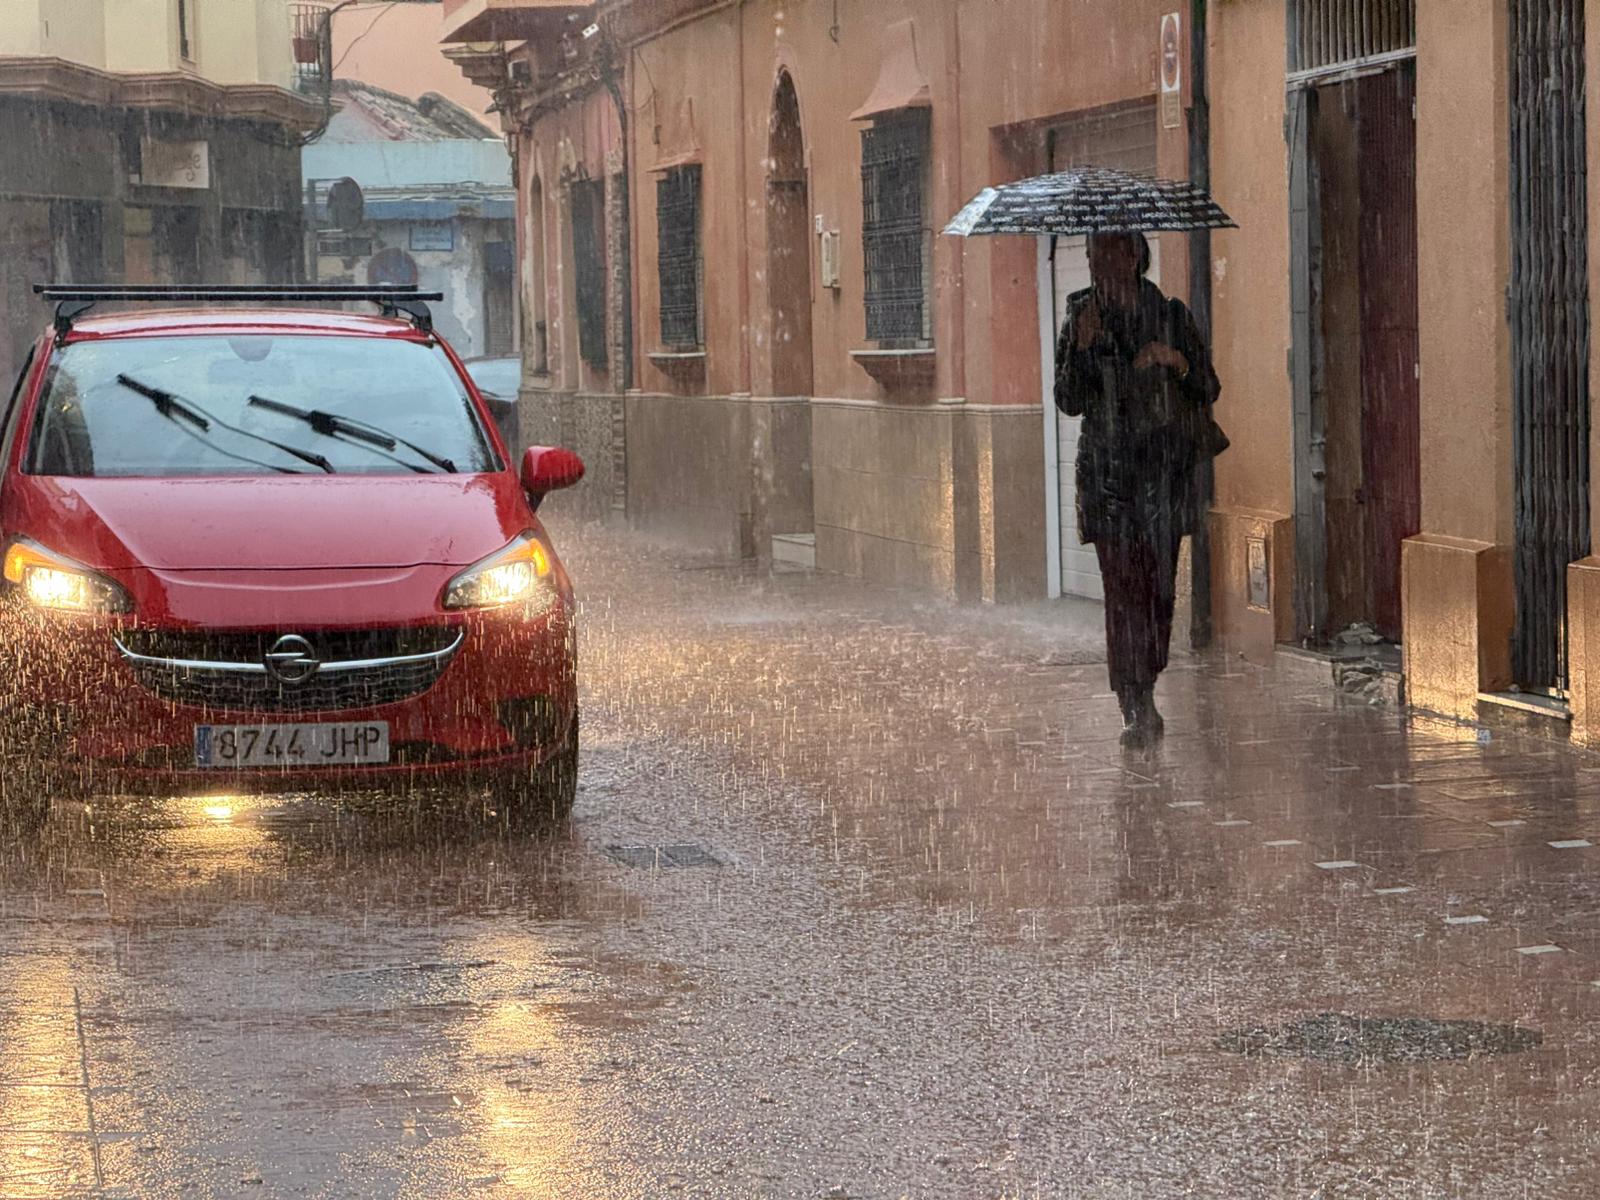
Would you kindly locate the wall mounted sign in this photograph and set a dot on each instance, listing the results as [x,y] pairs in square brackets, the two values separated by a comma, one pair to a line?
[1260,574]
[175,164]
[433,236]
[344,246]
[1172,71]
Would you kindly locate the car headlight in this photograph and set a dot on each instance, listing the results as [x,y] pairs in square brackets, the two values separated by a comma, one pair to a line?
[48,580]
[519,574]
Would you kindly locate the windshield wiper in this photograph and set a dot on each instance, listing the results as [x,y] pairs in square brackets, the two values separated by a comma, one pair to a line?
[167,404]
[337,425]
[174,408]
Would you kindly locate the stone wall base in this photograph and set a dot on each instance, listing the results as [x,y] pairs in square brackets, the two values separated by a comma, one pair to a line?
[1457,610]
[592,426]
[946,498]
[720,472]
[943,498]
[1583,644]
[1252,580]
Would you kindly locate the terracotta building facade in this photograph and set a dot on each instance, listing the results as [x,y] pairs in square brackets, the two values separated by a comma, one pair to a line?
[808,362]
[1409,382]
[808,366]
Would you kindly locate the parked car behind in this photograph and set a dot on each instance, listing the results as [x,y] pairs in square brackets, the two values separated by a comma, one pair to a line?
[498,381]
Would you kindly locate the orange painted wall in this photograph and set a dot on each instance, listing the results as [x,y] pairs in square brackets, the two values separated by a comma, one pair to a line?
[678,103]
[1249,175]
[987,70]
[396,47]
[576,139]
[1021,70]
[1464,267]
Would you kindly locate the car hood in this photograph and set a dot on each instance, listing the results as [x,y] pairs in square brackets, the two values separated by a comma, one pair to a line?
[272,523]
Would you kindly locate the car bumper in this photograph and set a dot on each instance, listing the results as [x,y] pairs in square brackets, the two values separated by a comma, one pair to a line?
[506,701]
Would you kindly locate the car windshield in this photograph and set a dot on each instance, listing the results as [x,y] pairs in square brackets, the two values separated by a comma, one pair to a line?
[171,406]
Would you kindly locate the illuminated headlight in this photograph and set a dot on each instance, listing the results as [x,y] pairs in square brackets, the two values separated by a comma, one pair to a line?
[47,580]
[519,574]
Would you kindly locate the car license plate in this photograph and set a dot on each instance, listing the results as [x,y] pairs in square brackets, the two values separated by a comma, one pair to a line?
[332,744]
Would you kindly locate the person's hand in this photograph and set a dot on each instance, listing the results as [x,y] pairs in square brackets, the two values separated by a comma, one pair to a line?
[1087,325]
[1159,354]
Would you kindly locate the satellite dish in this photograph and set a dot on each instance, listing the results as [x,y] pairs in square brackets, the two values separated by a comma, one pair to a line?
[345,204]
[392,267]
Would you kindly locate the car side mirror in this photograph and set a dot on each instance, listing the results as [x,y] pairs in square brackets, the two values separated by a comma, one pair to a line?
[548,469]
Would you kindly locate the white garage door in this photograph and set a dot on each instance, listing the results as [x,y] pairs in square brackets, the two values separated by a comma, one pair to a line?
[1125,140]
[1080,569]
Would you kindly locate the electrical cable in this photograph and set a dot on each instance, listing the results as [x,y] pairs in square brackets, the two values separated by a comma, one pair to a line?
[357,40]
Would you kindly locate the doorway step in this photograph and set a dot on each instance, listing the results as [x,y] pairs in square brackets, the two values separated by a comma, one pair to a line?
[1525,712]
[795,549]
[1371,672]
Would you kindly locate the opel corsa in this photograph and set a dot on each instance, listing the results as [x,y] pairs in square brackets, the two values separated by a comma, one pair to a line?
[267,548]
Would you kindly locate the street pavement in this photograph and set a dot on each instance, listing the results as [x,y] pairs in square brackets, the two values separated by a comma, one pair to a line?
[861,899]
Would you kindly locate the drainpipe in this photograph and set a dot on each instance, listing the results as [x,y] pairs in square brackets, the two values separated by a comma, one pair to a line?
[1200,624]
[956,251]
[741,165]
[610,76]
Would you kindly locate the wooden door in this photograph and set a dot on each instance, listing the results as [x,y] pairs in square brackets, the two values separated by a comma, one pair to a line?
[1391,490]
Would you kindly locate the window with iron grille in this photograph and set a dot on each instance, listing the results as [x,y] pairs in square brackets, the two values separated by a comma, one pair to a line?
[589,260]
[1333,35]
[309,22]
[679,262]
[896,240]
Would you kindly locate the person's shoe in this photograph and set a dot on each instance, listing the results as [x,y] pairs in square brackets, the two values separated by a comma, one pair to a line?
[1141,723]
[1128,702]
[1135,730]
[1151,717]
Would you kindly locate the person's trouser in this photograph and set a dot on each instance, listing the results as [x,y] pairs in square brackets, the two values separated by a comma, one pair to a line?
[1140,572]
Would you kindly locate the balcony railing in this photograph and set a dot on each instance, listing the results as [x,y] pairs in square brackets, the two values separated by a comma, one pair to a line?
[310,48]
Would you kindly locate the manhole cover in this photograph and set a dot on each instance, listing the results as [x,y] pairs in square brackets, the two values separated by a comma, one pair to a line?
[685,855]
[1340,1038]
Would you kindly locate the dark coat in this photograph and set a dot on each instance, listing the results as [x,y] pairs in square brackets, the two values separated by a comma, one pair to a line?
[1145,432]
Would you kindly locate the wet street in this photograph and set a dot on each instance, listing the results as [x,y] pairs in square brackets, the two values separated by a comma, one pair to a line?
[861,899]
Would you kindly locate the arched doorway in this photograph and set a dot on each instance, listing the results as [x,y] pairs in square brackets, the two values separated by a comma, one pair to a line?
[788,246]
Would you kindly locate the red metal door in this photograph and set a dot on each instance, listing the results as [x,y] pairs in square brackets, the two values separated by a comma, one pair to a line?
[1390,433]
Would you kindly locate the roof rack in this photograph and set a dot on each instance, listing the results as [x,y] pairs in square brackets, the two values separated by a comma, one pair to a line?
[73,300]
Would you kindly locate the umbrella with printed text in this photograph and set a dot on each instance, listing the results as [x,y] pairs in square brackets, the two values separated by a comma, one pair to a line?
[1089,200]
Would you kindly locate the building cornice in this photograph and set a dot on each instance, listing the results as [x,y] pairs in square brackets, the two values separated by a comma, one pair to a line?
[68,82]
[522,101]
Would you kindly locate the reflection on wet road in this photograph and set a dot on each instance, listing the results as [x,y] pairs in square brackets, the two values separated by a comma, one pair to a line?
[919,928]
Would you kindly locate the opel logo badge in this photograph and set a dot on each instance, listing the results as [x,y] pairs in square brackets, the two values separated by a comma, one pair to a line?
[291,659]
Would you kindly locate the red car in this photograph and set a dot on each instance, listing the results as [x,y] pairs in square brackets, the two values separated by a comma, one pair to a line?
[266,548]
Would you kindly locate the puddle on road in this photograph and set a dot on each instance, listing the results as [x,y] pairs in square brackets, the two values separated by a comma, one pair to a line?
[1342,1038]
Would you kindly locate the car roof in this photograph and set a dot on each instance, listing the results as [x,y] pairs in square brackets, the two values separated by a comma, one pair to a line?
[196,321]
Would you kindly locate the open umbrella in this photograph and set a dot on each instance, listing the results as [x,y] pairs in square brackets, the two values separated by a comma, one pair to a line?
[1087,200]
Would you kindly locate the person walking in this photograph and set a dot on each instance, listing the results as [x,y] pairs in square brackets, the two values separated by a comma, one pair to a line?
[1133,365]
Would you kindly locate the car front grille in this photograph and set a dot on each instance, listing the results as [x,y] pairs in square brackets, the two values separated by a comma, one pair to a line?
[225,670]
